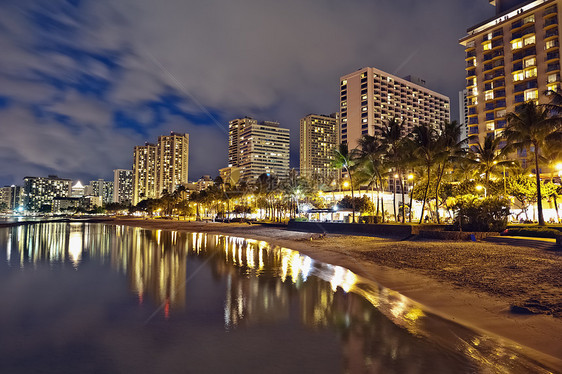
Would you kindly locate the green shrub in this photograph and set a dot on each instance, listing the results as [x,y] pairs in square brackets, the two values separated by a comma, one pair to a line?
[534,232]
[476,214]
[300,219]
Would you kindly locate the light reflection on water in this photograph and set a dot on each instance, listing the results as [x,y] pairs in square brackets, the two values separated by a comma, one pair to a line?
[259,289]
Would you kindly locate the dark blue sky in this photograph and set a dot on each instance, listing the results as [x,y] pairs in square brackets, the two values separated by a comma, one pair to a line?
[83,81]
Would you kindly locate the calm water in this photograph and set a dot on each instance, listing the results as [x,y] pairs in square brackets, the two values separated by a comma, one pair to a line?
[93,298]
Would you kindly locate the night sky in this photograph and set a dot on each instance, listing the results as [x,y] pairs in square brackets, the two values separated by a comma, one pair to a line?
[83,81]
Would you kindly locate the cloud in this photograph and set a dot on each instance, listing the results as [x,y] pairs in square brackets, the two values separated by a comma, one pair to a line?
[270,59]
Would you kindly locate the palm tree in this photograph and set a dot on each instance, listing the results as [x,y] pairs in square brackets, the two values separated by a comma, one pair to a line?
[488,157]
[425,141]
[394,138]
[345,160]
[531,127]
[372,168]
[448,148]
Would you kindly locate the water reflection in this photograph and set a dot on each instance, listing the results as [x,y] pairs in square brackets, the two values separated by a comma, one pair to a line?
[379,330]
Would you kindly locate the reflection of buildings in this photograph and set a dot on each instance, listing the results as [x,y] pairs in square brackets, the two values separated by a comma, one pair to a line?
[269,286]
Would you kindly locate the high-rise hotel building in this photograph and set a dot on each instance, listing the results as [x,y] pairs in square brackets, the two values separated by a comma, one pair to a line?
[369,97]
[122,186]
[40,192]
[173,159]
[160,167]
[319,136]
[257,148]
[511,58]
[144,172]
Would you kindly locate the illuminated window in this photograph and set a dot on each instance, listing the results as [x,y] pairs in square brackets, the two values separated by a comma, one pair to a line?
[529,19]
[531,95]
[363,97]
[344,103]
[516,44]
[490,126]
[487,46]
[500,113]
[472,82]
[552,87]
[529,40]
[530,62]
[488,95]
[344,82]
[518,76]
[550,44]
[552,78]
[531,73]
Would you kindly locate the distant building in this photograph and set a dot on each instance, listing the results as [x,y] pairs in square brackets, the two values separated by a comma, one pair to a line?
[39,192]
[230,175]
[258,148]
[103,189]
[78,190]
[319,137]
[160,167]
[511,58]
[463,116]
[122,186]
[369,97]
[11,196]
[173,160]
[144,173]
[204,182]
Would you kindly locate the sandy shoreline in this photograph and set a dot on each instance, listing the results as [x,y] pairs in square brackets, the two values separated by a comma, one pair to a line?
[464,282]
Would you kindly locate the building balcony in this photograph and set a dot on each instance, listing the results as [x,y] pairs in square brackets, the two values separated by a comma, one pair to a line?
[552,56]
[551,33]
[550,22]
[550,11]
[473,130]
[552,67]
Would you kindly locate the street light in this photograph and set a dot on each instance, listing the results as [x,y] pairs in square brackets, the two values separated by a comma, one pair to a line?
[480,188]
[345,184]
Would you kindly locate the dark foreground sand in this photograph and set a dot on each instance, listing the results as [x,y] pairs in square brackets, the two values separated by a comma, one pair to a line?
[477,284]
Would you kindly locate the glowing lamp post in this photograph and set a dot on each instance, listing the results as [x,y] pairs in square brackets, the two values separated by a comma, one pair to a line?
[480,188]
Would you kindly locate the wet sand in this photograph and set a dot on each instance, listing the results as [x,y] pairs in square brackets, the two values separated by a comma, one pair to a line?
[479,285]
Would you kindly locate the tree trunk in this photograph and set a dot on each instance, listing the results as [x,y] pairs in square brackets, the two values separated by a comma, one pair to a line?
[440,176]
[403,197]
[426,192]
[352,197]
[394,197]
[539,195]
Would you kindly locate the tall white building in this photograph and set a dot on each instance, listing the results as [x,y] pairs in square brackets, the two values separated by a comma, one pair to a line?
[369,97]
[258,147]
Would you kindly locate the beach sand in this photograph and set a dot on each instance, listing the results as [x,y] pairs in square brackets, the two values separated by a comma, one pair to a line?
[477,284]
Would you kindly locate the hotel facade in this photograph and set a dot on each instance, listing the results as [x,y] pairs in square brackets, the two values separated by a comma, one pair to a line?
[161,167]
[511,58]
[369,97]
[319,136]
[258,148]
